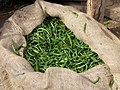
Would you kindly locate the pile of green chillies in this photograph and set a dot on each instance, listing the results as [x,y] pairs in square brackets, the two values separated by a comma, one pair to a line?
[52,44]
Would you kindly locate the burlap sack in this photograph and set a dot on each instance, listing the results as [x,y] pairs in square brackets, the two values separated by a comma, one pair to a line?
[17,74]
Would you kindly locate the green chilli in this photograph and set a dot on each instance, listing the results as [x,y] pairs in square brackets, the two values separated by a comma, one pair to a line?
[52,44]
[84,29]
[16,48]
[96,81]
[111,83]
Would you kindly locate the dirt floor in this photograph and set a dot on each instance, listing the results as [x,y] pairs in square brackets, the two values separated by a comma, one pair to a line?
[4,15]
[113,26]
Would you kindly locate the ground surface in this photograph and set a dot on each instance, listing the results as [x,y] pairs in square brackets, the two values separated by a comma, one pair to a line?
[4,15]
[114,27]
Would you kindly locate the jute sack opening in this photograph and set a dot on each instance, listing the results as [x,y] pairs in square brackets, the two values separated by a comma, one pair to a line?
[17,74]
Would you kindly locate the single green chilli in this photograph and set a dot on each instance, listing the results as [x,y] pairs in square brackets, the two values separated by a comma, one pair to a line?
[96,81]
[52,44]
[75,14]
[111,83]
[84,29]
[16,49]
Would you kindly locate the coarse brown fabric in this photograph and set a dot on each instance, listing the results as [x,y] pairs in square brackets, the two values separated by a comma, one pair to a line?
[17,74]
